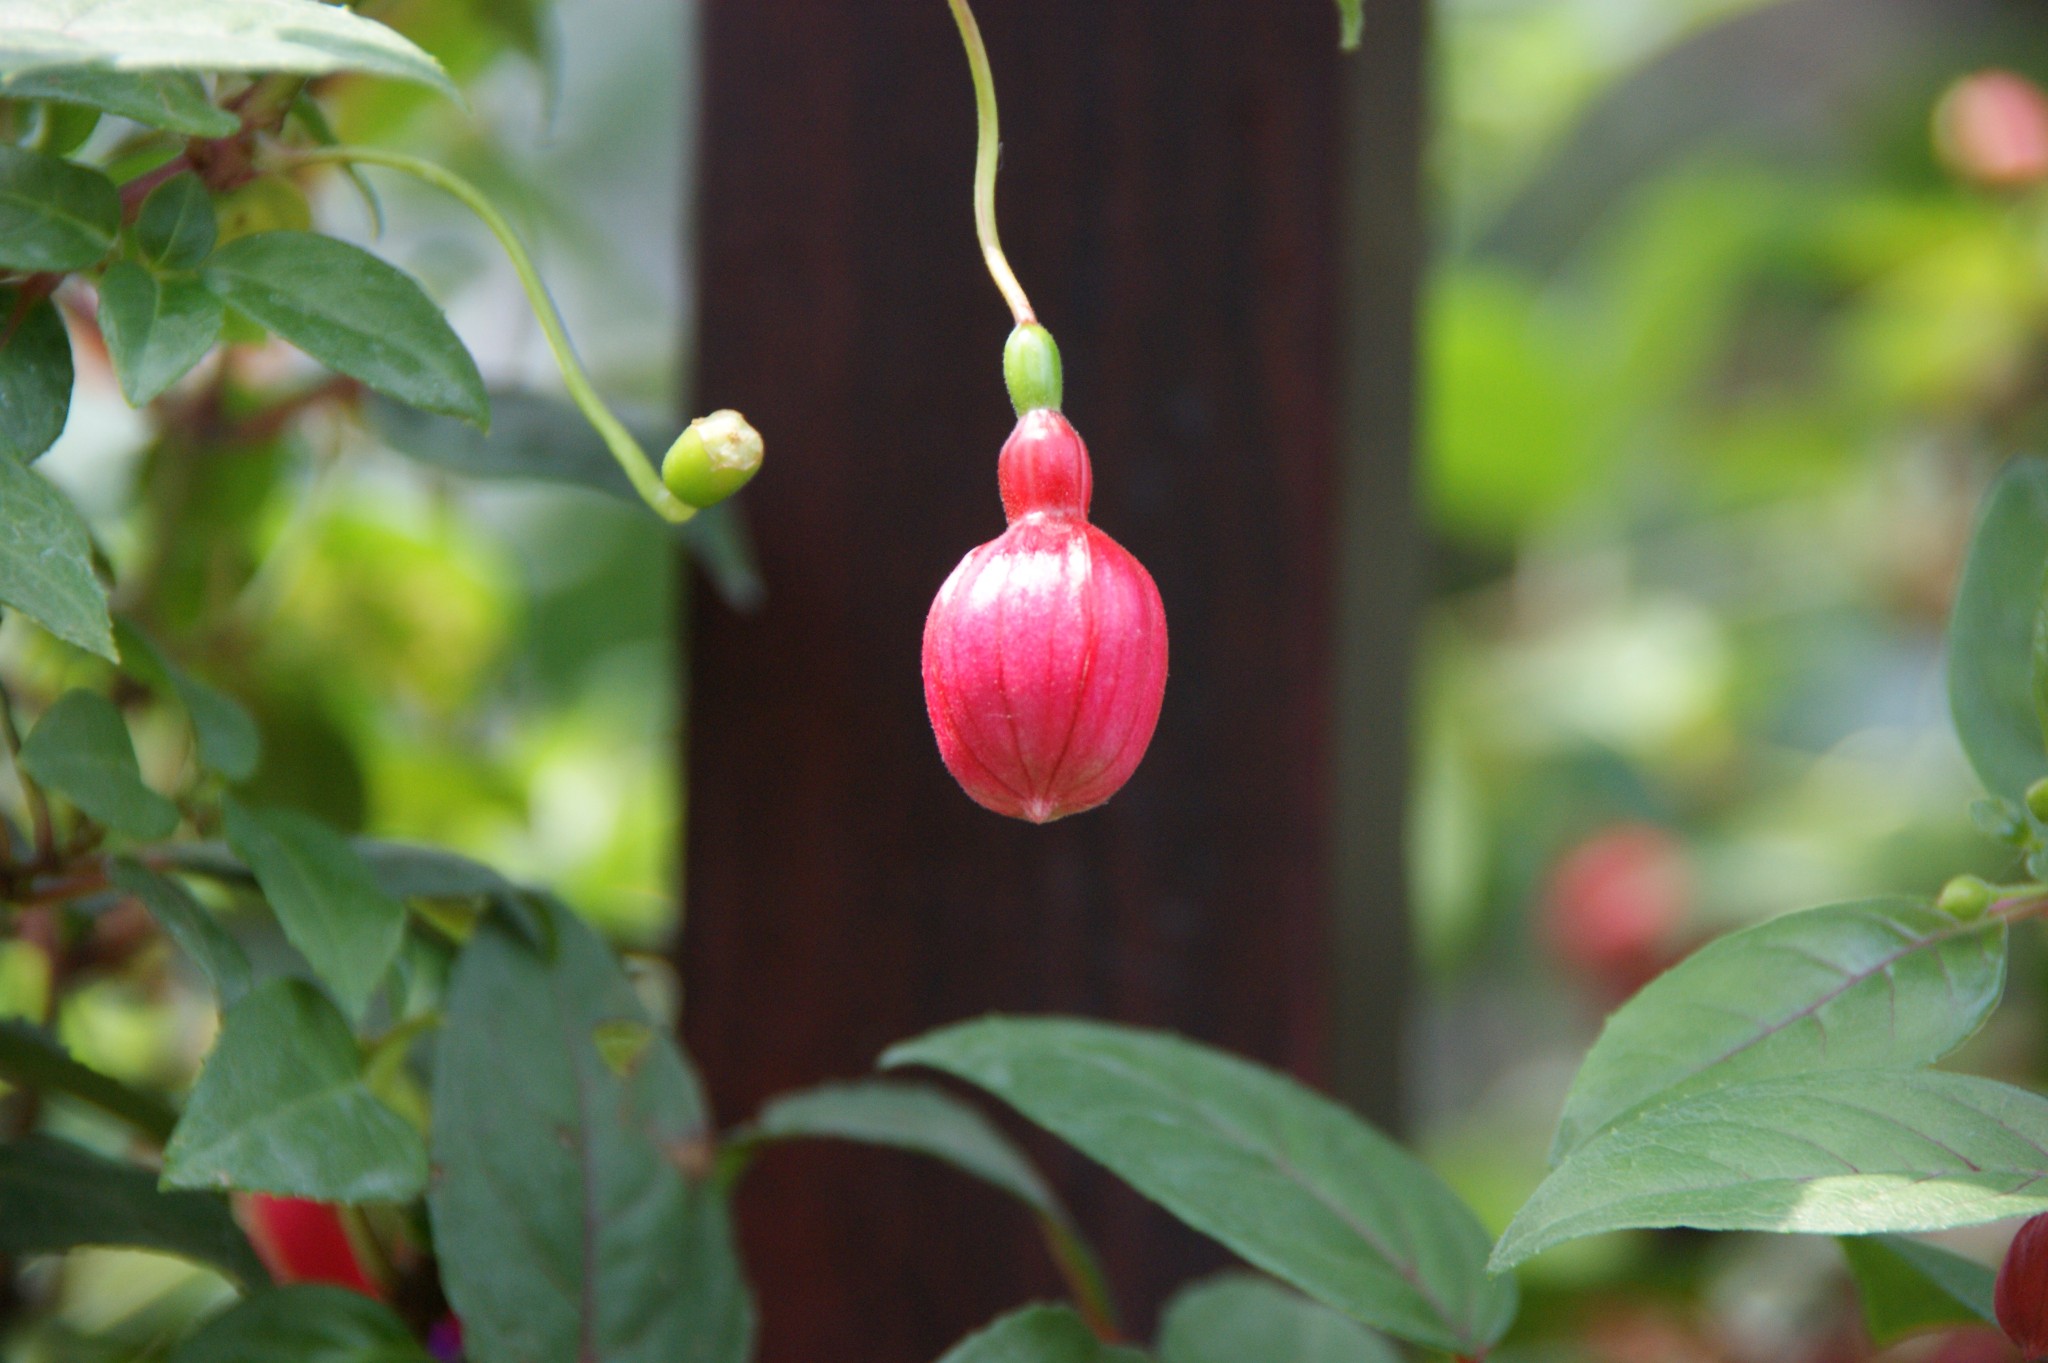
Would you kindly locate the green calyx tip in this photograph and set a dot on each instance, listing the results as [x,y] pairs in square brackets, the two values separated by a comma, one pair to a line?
[1031,369]
[1965,897]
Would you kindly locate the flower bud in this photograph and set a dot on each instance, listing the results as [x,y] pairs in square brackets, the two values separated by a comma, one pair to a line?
[1965,897]
[2037,799]
[713,459]
[1992,130]
[301,1241]
[1031,369]
[2020,1298]
[1045,651]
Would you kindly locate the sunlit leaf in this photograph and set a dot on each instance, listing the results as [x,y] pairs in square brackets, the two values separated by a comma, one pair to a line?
[80,749]
[172,100]
[54,214]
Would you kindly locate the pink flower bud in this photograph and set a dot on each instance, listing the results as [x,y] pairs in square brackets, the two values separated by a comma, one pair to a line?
[2020,1299]
[1992,129]
[1045,652]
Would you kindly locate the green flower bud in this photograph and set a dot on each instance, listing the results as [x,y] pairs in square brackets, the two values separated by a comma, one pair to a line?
[713,459]
[2037,799]
[1031,369]
[1965,897]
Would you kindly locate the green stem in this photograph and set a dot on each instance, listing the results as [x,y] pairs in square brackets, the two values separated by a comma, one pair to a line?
[633,459]
[988,151]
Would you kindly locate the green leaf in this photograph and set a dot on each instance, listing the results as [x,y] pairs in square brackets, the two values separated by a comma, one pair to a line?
[301,37]
[54,214]
[1883,983]
[35,377]
[1848,1152]
[1235,1317]
[1991,632]
[328,902]
[156,329]
[31,1058]
[410,871]
[1351,14]
[1283,1176]
[567,1217]
[188,923]
[302,1323]
[1040,1334]
[176,227]
[1907,1286]
[353,313]
[226,735]
[173,100]
[81,750]
[281,1107]
[46,562]
[55,1196]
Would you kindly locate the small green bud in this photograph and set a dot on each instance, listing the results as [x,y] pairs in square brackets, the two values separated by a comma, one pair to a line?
[1999,819]
[713,459]
[2037,799]
[1031,369]
[1965,897]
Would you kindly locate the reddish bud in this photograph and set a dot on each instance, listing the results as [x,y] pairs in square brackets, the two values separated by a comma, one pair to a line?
[305,1242]
[1045,651]
[2020,1299]
[1616,905]
[1992,129]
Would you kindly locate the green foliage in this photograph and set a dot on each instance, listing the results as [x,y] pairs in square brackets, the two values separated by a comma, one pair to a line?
[1907,1287]
[187,923]
[46,568]
[55,1196]
[31,1059]
[354,314]
[573,1214]
[155,329]
[1237,1316]
[35,375]
[54,214]
[1283,1176]
[281,1107]
[306,1323]
[1038,1334]
[175,101]
[1991,634]
[176,227]
[81,750]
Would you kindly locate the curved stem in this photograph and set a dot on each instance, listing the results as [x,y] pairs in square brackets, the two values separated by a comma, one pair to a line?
[988,151]
[633,459]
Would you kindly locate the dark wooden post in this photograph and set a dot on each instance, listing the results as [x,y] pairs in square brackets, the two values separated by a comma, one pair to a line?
[1172,197]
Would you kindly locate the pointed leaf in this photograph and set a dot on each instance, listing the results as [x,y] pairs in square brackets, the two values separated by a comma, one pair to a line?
[302,37]
[1850,1152]
[1235,1317]
[54,214]
[1882,983]
[281,1107]
[569,1211]
[353,313]
[176,228]
[46,562]
[187,923]
[175,101]
[325,898]
[55,1196]
[302,1323]
[1039,1334]
[35,376]
[155,329]
[1991,632]
[1283,1176]
[80,749]
[1907,1286]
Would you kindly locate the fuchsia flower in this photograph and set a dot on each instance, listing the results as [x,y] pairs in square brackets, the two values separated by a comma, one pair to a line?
[2020,1299]
[1045,651]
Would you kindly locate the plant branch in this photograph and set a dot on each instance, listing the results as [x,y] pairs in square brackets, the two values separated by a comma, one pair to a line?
[988,153]
[624,448]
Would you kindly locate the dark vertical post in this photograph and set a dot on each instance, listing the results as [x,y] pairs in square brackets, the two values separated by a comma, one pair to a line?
[1171,197]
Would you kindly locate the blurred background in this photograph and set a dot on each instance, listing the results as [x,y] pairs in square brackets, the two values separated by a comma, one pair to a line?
[1720,339]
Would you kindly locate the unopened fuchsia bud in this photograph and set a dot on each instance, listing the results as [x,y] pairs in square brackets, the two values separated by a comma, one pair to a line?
[1992,129]
[2020,1299]
[1045,651]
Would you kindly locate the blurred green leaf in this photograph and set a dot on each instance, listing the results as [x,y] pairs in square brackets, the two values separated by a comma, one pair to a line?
[173,100]
[155,329]
[55,1196]
[226,735]
[1907,1286]
[54,214]
[31,1058]
[46,562]
[1039,1334]
[1846,1152]
[304,37]
[1882,983]
[188,924]
[35,376]
[1281,1175]
[1991,633]
[1235,1317]
[304,1323]
[281,1107]
[328,902]
[81,750]
[355,314]
[176,226]
[570,1211]
[411,871]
